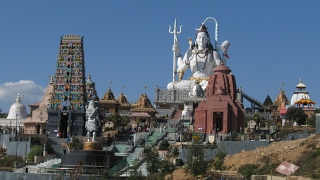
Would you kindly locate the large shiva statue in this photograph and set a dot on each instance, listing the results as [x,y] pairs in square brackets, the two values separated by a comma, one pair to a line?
[201,57]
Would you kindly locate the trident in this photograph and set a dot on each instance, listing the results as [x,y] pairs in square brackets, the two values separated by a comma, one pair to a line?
[174,32]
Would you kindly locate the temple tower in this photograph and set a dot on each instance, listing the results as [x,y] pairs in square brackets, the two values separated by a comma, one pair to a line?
[66,111]
[220,111]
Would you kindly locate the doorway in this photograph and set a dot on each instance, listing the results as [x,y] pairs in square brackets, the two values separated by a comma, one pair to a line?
[38,129]
[64,125]
[217,120]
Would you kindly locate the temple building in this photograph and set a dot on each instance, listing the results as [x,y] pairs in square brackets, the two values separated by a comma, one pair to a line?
[143,111]
[15,119]
[70,90]
[36,124]
[220,111]
[301,98]
[109,104]
[278,108]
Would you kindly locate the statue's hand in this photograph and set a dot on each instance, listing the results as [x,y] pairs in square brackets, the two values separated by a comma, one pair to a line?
[225,46]
[176,48]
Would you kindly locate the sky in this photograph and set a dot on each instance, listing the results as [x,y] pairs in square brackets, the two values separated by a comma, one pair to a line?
[128,43]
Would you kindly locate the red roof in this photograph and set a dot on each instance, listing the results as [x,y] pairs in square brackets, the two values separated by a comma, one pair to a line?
[140,114]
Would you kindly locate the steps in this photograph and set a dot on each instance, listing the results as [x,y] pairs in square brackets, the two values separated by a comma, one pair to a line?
[57,144]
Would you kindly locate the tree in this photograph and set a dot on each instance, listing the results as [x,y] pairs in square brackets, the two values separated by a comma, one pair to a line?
[219,159]
[75,144]
[196,164]
[153,161]
[296,114]
[164,145]
[248,170]
[36,150]
[312,120]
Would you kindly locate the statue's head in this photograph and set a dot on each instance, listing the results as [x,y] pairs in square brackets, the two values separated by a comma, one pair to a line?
[91,103]
[202,38]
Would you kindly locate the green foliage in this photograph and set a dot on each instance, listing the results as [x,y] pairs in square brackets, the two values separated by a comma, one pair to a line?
[248,170]
[233,137]
[164,145]
[7,161]
[152,160]
[267,167]
[219,159]
[35,141]
[75,143]
[36,150]
[309,163]
[106,129]
[196,165]
[296,114]
[115,118]
[135,174]
[49,148]
[312,120]
[167,167]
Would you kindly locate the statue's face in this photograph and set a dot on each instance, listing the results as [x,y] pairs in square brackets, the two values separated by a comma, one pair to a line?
[202,40]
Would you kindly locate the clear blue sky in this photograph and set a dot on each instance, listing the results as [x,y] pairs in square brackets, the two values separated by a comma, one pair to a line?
[128,43]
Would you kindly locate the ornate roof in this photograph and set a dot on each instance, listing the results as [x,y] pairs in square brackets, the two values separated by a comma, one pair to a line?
[123,100]
[267,101]
[143,104]
[301,85]
[109,98]
[17,110]
[281,99]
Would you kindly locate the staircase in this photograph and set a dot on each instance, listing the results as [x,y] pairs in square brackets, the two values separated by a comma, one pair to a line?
[177,115]
[57,144]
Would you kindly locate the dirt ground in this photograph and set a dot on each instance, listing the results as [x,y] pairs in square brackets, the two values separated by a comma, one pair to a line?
[278,152]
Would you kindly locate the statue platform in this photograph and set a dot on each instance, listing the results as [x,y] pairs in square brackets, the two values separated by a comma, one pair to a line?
[91,146]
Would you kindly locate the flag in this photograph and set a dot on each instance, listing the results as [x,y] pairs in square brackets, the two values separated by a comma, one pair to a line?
[282,84]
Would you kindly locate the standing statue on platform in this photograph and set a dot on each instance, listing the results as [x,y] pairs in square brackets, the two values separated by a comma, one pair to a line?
[93,122]
[201,57]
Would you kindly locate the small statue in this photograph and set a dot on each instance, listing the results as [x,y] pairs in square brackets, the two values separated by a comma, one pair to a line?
[93,122]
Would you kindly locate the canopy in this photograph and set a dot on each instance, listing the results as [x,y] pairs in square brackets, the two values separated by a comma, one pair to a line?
[140,114]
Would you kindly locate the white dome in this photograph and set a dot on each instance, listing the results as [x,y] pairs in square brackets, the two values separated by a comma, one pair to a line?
[300,93]
[299,96]
[17,110]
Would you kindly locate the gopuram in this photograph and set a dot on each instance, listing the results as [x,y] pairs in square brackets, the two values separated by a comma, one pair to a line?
[69,90]
[212,99]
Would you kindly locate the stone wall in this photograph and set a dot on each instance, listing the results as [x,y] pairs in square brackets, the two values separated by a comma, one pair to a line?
[27,176]
[19,148]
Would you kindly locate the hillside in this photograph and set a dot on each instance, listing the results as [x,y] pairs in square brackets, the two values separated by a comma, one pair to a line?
[304,153]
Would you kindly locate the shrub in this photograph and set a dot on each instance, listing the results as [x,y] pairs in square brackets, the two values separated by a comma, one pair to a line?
[36,150]
[248,170]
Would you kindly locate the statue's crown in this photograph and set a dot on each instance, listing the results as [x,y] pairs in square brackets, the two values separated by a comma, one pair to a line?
[203,28]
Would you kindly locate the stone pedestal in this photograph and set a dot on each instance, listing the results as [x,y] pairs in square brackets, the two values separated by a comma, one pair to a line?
[91,146]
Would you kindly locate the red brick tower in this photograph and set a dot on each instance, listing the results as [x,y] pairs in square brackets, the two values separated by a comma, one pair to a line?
[221,108]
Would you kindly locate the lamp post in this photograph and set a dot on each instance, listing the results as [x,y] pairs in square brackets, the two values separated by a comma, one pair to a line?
[25,156]
[10,130]
[268,121]
[16,124]
[17,143]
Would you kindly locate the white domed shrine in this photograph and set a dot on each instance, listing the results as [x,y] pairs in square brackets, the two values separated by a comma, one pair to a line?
[300,93]
[17,110]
